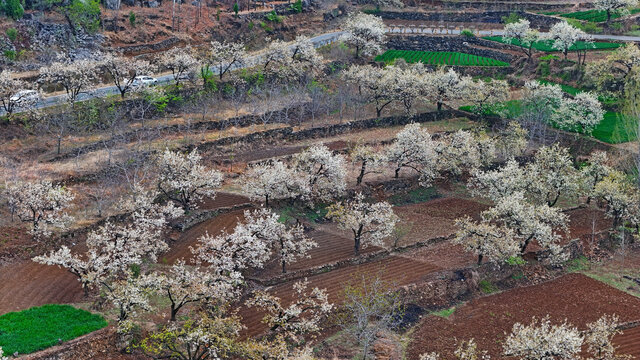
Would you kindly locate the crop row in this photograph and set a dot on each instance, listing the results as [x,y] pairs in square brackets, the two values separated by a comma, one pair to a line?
[547,45]
[439,58]
[595,15]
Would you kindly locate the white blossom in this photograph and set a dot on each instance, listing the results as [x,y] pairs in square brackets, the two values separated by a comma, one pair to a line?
[584,111]
[615,6]
[301,317]
[541,340]
[564,36]
[364,32]
[180,61]
[369,223]
[522,32]
[496,243]
[184,179]
[123,71]
[42,204]
[323,173]
[73,76]
[226,56]
[271,181]
[414,149]
[368,158]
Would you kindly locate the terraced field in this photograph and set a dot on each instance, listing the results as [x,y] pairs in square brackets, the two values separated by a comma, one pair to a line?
[547,45]
[440,58]
[595,15]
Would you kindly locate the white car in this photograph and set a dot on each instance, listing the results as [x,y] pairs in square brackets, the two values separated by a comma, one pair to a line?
[25,96]
[144,80]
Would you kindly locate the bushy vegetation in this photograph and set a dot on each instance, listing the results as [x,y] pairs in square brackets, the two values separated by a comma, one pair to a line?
[40,327]
[415,196]
[547,46]
[85,14]
[439,58]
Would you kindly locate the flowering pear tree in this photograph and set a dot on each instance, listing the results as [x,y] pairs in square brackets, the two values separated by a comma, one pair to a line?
[512,141]
[486,240]
[368,158]
[406,85]
[41,204]
[205,338]
[522,34]
[180,61]
[225,56]
[615,6]
[271,181]
[619,196]
[599,338]
[183,179]
[252,243]
[123,71]
[9,86]
[494,184]
[414,149]
[299,318]
[528,222]
[485,96]
[583,111]
[613,73]
[73,76]
[185,284]
[553,175]
[112,249]
[373,84]
[128,296]
[564,36]
[443,86]
[541,102]
[541,340]
[596,169]
[369,223]
[463,151]
[364,32]
[322,171]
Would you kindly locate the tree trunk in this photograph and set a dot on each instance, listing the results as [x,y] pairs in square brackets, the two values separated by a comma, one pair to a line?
[439,106]
[174,312]
[480,256]
[397,172]
[284,266]
[362,171]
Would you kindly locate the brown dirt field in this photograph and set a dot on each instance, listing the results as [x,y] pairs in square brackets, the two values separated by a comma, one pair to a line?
[436,217]
[584,222]
[26,284]
[331,248]
[629,342]
[399,270]
[221,200]
[180,248]
[574,297]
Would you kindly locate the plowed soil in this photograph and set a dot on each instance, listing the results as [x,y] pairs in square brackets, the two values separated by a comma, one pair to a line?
[396,269]
[574,297]
[26,284]
[436,217]
[629,342]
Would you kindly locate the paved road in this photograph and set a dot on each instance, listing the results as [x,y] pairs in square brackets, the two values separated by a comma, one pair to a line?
[48,101]
[318,41]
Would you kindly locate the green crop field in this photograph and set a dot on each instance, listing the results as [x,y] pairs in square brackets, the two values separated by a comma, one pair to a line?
[547,45]
[40,327]
[439,58]
[594,15]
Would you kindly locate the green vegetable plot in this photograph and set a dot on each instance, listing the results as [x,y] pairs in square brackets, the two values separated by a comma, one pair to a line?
[439,58]
[547,45]
[40,327]
[595,15]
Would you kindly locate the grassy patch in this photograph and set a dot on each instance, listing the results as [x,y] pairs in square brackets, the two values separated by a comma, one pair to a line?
[439,58]
[415,196]
[509,109]
[487,287]
[445,313]
[547,45]
[40,327]
[578,264]
[313,215]
[594,15]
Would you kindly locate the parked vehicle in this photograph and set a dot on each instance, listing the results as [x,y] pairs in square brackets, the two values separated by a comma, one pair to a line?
[144,80]
[23,97]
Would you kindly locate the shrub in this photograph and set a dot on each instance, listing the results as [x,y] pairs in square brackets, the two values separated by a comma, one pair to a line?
[10,54]
[467,33]
[273,17]
[40,327]
[85,14]
[12,34]
[13,9]
[265,27]
[487,287]
[132,18]
[512,18]
[296,6]
[236,8]
[445,313]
